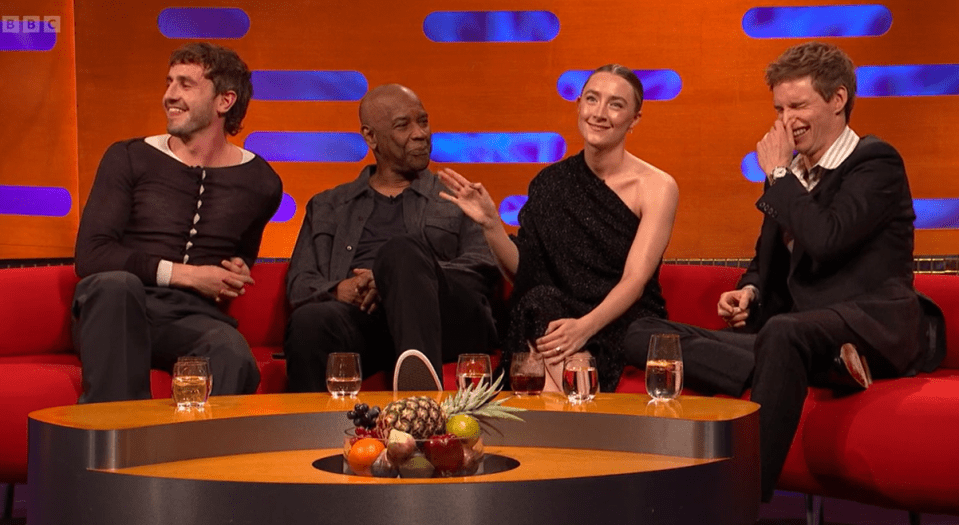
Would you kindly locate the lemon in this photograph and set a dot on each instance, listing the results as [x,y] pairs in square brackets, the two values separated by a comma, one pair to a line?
[463,426]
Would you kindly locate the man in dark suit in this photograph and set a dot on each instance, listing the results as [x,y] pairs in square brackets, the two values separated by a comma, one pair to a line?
[828,298]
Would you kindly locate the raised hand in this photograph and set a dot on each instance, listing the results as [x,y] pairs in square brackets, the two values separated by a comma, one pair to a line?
[471,197]
[776,147]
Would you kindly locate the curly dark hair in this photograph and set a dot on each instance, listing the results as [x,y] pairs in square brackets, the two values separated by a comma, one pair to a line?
[227,72]
[827,65]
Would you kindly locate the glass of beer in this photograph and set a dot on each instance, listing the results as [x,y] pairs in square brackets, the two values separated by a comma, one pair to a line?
[580,378]
[343,374]
[192,382]
[527,373]
[664,367]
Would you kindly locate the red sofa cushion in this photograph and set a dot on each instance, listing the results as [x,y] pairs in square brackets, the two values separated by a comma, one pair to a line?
[692,292]
[35,310]
[23,389]
[262,310]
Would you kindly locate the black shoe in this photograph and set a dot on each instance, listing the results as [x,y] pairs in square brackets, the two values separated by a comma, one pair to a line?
[849,371]
[414,372]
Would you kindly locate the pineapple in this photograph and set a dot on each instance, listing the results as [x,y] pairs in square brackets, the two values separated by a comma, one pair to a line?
[420,417]
[423,417]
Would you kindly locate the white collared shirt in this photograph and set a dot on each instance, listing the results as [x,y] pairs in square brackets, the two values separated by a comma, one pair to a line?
[839,151]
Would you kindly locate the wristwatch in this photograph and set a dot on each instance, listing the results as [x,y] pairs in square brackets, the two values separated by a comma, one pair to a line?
[778,173]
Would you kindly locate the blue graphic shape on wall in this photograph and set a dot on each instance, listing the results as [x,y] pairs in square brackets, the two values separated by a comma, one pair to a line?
[286,211]
[203,22]
[817,21]
[39,201]
[498,147]
[19,35]
[307,146]
[491,26]
[509,209]
[934,214]
[309,85]
[750,168]
[908,80]
[658,84]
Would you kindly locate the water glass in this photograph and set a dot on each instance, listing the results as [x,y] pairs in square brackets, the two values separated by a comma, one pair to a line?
[580,378]
[343,374]
[527,373]
[664,367]
[473,369]
[192,382]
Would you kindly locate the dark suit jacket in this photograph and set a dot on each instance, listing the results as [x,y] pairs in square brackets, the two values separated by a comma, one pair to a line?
[852,253]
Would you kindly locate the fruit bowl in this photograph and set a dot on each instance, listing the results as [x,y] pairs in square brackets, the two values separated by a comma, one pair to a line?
[402,456]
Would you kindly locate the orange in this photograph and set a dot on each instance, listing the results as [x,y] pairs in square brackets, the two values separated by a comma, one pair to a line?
[363,453]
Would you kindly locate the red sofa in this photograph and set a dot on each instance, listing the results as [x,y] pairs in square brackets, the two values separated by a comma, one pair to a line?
[895,445]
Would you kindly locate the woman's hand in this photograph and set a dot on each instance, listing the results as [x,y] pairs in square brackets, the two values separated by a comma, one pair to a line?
[564,337]
[471,197]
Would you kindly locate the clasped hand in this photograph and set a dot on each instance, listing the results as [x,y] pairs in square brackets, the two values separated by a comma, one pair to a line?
[222,283]
[359,290]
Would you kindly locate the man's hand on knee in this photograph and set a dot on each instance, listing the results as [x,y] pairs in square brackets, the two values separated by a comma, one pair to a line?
[733,306]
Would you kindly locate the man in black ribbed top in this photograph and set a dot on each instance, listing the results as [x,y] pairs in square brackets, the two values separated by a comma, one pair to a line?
[171,227]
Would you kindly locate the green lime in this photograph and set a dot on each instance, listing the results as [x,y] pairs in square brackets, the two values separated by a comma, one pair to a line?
[463,426]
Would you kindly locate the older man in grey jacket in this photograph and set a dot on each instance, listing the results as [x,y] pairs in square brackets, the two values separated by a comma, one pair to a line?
[384,265]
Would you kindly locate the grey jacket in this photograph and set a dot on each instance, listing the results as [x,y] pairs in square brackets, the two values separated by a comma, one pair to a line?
[334,222]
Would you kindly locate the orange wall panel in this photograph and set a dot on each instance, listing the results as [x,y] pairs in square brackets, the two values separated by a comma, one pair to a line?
[700,137]
[38,134]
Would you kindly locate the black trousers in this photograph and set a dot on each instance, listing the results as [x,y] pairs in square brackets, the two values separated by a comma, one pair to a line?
[791,352]
[122,329]
[442,313]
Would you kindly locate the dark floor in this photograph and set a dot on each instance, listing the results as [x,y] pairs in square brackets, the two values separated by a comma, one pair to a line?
[787,508]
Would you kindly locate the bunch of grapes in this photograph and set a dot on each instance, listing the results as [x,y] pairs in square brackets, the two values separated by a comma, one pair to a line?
[363,416]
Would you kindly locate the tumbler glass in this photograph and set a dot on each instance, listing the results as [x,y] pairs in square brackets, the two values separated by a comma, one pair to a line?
[580,378]
[473,369]
[192,381]
[343,374]
[527,373]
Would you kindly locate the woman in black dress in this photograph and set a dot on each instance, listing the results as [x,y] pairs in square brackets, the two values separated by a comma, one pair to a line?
[592,235]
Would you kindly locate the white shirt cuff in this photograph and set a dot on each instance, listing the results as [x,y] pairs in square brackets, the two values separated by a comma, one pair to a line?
[164,272]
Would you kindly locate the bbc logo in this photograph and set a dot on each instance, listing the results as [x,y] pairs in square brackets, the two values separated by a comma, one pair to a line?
[30,24]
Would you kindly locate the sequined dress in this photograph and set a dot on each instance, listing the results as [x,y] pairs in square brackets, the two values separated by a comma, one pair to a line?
[575,233]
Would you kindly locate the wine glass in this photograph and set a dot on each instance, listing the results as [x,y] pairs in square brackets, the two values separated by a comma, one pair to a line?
[473,369]
[343,374]
[580,378]
[664,367]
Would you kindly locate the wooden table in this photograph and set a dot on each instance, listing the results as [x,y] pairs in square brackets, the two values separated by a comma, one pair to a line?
[248,460]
